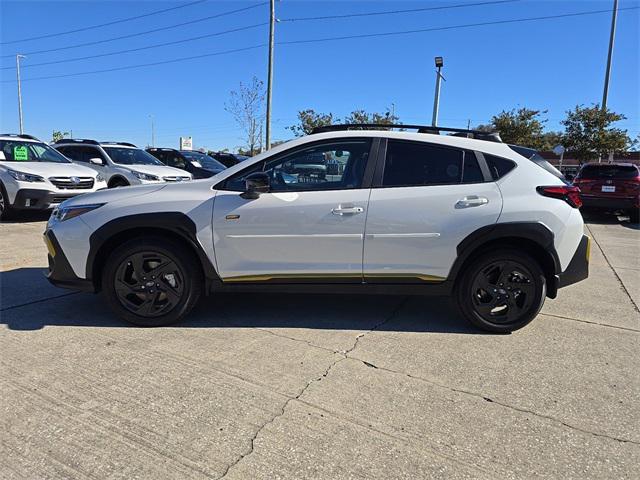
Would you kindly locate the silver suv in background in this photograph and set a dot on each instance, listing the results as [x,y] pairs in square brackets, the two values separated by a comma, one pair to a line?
[121,163]
[34,176]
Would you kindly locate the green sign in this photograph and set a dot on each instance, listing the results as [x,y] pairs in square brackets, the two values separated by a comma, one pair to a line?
[20,153]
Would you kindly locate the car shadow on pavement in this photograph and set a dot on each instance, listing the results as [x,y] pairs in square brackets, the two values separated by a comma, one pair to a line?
[608,218]
[29,302]
[29,217]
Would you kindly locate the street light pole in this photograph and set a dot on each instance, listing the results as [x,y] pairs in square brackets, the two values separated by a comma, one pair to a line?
[153,132]
[605,94]
[436,100]
[272,20]
[18,57]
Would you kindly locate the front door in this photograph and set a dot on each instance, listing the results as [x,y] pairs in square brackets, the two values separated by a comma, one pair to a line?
[427,200]
[308,227]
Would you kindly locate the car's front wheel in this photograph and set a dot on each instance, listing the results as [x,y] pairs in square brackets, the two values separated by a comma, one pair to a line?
[6,212]
[501,291]
[152,282]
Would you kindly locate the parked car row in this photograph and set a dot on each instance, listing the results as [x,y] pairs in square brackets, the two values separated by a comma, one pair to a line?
[38,176]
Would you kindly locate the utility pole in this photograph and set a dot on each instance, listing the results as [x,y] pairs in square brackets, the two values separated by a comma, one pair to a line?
[18,57]
[153,132]
[436,100]
[272,20]
[605,94]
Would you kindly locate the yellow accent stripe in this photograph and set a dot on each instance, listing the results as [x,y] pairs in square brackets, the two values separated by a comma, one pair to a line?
[50,247]
[588,249]
[284,276]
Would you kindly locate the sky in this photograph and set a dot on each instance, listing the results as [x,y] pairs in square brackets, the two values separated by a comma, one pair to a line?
[549,64]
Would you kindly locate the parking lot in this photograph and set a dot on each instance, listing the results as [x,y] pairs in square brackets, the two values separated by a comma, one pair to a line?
[278,386]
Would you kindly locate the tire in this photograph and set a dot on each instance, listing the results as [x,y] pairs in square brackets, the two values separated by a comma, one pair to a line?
[634,215]
[6,211]
[164,295]
[118,182]
[501,291]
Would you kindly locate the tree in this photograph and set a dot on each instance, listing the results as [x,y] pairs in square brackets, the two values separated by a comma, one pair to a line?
[589,133]
[247,107]
[520,127]
[308,120]
[361,116]
[58,135]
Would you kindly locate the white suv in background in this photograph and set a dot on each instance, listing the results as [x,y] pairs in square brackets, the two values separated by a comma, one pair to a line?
[34,176]
[122,164]
[492,225]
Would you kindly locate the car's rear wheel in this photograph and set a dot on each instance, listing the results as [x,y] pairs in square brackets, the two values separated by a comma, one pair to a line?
[634,215]
[118,182]
[152,282]
[501,291]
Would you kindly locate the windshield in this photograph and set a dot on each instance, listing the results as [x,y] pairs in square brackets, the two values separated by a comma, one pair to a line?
[203,159]
[131,156]
[18,151]
[597,172]
[535,157]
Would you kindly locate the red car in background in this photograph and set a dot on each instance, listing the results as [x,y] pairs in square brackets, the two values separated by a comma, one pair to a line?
[610,186]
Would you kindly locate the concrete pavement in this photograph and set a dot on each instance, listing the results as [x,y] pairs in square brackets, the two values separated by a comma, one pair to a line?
[316,386]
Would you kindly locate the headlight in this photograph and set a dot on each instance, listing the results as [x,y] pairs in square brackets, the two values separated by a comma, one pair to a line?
[144,176]
[63,213]
[25,177]
[100,178]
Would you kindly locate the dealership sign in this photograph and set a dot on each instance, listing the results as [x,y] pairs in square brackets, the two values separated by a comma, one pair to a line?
[186,143]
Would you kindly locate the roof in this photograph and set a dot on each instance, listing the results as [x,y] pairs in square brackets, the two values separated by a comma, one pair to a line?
[16,136]
[87,141]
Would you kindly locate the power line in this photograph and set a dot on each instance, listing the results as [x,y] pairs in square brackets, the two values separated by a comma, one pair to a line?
[131,35]
[128,67]
[114,22]
[451,27]
[393,12]
[327,39]
[157,45]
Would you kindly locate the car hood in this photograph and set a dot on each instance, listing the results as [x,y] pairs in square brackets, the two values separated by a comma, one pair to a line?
[112,195]
[50,169]
[158,170]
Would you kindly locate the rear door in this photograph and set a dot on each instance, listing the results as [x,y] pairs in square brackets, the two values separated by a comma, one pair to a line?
[308,227]
[426,198]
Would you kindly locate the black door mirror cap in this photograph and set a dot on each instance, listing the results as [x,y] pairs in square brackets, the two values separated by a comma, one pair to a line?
[255,184]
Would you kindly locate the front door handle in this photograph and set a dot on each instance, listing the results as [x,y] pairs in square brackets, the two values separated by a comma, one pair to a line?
[471,201]
[340,210]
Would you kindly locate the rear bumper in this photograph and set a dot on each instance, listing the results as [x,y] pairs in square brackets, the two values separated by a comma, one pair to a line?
[578,268]
[609,202]
[60,272]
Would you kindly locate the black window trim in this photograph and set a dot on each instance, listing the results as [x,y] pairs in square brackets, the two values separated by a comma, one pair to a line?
[367,177]
[382,155]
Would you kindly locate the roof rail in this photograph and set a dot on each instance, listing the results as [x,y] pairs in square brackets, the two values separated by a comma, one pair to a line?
[19,135]
[458,132]
[76,140]
[126,144]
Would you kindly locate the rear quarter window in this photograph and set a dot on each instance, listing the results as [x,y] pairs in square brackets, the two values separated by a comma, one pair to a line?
[498,166]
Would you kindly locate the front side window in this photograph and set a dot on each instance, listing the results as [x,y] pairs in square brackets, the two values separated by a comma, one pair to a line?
[131,156]
[418,164]
[17,151]
[328,166]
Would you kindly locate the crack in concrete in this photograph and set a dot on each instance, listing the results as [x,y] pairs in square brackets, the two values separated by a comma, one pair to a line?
[502,404]
[590,322]
[624,288]
[343,356]
[37,301]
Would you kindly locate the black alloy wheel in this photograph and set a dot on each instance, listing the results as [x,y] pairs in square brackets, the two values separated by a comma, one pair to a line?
[149,284]
[501,291]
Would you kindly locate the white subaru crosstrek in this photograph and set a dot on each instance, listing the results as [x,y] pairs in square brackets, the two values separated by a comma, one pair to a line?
[493,225]
[34,176]
[121,163]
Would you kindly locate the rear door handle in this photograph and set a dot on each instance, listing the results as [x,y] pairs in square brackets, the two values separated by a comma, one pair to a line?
[347,210]
[471,201]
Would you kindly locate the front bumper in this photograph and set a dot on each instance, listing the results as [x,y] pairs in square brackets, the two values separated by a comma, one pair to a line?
[578,268]
[34,199]
[60,272]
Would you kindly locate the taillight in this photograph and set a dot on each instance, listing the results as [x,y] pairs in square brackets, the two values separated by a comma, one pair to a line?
[568,193]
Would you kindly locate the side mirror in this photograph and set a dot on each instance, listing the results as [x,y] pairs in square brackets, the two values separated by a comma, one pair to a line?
[255,184]
[96,161]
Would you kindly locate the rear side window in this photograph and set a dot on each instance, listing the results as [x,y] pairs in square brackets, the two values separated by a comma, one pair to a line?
[498,166]
[417,164]
[598,172]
